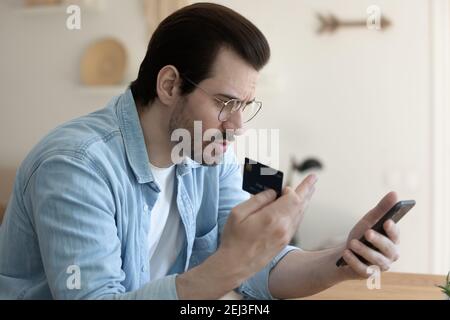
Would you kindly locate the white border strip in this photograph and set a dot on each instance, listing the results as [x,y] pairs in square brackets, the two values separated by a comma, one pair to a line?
[440,86]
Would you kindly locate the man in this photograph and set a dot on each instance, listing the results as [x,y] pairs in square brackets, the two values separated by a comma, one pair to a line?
[100,209]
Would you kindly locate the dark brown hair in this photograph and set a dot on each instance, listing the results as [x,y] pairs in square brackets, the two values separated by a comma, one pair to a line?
[190,39]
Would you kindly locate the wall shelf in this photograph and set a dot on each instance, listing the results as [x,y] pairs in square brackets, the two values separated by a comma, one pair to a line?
[95,6]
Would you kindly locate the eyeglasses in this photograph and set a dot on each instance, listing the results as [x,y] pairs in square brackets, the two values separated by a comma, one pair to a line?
[248,109]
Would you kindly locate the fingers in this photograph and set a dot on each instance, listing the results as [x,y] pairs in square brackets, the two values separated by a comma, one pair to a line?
[392,231]
[288,202]
[292,199]
[255,203]
[383,244]
[288,209]
[371,256]
[298,206]
[304,188]
[386,203]
[355,264]
[298,197]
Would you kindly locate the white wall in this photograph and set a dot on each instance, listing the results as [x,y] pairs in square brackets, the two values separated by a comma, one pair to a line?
[358,99]
[39,80]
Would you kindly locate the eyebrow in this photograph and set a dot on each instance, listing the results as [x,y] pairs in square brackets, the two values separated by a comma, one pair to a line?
[232,97]
[227,96]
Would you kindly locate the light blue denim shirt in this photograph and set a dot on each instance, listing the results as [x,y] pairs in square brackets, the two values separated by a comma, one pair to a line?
[82,201]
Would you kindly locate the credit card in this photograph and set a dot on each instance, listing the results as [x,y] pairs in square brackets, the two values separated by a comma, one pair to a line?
[259,177]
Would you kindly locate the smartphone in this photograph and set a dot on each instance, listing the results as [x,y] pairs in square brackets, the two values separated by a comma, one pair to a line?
[395,213]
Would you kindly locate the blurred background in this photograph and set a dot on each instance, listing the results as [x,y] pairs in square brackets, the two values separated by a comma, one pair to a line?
[371,105]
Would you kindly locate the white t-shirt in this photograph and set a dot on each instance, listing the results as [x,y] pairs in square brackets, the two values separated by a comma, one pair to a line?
[166,232]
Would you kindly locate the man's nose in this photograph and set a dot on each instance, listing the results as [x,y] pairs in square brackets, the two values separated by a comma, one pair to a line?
[234,122]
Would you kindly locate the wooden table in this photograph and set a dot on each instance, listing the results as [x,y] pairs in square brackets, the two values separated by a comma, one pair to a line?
[394,286]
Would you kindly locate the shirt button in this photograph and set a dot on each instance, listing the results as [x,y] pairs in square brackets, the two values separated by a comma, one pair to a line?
[145,207]
[143,269]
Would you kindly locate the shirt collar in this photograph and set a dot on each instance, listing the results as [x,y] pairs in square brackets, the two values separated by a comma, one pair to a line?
[134,142]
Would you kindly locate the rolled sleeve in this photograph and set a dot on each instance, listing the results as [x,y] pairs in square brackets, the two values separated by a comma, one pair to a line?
[257,287]
[161,289]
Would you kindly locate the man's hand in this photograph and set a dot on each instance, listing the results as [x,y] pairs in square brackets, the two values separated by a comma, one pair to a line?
[255,232]
[260,227]
[387,245]
[304,273]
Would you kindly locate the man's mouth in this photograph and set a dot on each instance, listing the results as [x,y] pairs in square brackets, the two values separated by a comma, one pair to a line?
[223,144]
[223,141]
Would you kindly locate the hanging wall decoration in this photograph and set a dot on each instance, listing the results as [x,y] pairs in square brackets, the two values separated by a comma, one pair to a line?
[157,10]
[104,63]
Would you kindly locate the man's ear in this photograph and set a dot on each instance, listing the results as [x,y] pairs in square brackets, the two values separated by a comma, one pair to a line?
[168,85]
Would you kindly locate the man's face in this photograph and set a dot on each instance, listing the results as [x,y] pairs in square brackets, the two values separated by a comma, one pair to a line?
[231,77]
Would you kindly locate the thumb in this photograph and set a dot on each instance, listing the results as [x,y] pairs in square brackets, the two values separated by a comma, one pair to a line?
[381,208]
[255,203]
